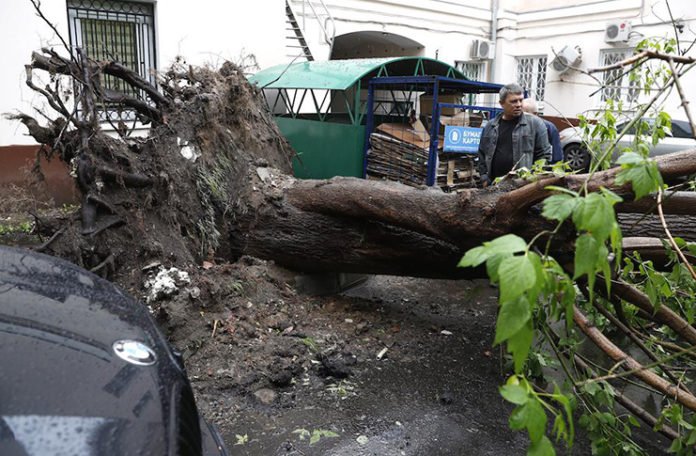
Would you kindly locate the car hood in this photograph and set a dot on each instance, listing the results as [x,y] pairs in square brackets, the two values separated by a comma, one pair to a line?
[63,389]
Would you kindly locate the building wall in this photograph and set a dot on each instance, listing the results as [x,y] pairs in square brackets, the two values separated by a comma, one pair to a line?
[448,29]
[445,28]
[529,28]
[203,32]
[210,32]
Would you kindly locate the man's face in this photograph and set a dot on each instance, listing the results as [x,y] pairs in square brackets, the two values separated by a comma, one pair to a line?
[512,105]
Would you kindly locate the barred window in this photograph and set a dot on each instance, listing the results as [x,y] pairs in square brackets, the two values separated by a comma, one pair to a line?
[531,75]
[476,71]
[615,83]
[121,31]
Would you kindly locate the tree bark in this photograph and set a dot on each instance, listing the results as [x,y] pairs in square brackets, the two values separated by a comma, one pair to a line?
[354,225]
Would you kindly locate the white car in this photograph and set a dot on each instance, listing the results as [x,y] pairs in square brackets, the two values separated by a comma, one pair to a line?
[578,158]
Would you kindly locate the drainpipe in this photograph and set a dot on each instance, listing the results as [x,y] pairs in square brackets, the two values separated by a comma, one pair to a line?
[494,35]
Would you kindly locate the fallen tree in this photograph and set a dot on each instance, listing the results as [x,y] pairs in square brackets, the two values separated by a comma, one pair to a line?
[211,180]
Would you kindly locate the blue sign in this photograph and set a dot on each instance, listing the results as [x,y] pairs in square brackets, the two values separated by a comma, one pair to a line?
[462,139]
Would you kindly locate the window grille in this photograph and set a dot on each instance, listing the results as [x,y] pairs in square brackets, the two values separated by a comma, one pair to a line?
[616,84]
[115,30]
[531,75]
[476,71]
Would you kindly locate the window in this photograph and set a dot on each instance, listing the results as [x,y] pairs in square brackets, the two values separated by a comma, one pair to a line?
[616,84]
[115,30]
[476,71]
[531,75]
[681,129]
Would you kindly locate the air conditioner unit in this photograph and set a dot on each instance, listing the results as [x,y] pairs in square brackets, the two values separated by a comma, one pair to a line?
[617,32]
[482,50]
[566,58]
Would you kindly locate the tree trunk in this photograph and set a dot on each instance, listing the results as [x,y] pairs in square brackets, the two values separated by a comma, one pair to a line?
[356,225]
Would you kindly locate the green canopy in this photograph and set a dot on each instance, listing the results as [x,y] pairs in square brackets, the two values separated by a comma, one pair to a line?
[342,74]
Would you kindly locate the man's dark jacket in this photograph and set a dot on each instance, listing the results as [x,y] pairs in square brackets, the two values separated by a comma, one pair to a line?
[529,143]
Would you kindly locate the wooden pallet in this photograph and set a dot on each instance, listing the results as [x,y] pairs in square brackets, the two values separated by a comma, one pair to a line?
[393,159]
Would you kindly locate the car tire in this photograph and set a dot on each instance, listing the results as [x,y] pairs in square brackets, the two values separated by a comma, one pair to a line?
[577,157]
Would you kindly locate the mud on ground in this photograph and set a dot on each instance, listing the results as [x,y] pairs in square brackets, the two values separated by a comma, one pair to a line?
[394,366]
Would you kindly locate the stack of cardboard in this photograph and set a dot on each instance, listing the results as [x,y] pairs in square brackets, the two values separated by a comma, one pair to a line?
[399,152]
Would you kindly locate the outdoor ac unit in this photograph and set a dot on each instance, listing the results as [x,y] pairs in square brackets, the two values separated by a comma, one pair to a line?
[482,50]
[617,32]
[566,58]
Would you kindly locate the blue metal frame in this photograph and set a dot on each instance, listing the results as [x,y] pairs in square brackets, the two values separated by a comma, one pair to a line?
[429,84]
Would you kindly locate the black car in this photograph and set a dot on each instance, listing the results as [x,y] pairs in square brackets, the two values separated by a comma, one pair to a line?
[85,371]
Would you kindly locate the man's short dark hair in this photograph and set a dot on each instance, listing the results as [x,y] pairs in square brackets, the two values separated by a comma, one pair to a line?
[510,89]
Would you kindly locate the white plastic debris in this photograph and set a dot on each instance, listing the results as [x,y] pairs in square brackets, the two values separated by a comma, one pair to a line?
[444,332]
[189,152]
[166,283]
[264,174]
[362,440]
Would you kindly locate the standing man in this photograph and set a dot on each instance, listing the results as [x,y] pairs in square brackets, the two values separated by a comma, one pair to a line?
[512,140]
[530,105]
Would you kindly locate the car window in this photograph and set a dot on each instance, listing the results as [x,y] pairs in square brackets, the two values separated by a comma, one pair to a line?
[681,129]
[632,130]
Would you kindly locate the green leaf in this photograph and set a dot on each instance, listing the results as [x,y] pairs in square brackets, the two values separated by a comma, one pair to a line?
[586,255]
[559,427]
[520,344]
[555,188]
[518,418]
[536,421]
[541,448]
[565,401]
[630,158]
[568,301]
[509,243]
[596,215]
[559,207]
[517,275]
[681,243]
[603,262]
[610,196]
[473,257]
[616,242]
[691,246]
[512,317]
[540,278]
[692,439]
[317,434]
[644,178]
[493,264]
[515,394]
[676,446]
